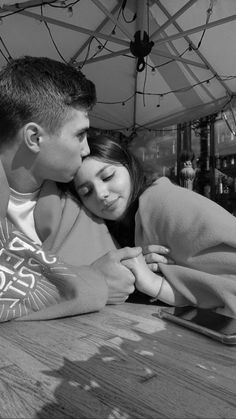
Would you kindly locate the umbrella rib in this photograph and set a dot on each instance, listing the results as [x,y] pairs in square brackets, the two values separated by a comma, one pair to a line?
[106,56]
[177,58]
[173,18]
[196,29]
[104,22]
[25,5]
[69,26]
[188,40]
[114,20]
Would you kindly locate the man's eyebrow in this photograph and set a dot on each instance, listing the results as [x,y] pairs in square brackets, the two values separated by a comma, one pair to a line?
[82,131]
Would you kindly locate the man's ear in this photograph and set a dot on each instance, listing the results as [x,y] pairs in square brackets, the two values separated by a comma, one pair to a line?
[33,134]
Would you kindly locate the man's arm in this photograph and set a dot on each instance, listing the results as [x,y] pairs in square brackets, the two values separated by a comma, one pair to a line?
[120,280]
[90,288]
[37,285]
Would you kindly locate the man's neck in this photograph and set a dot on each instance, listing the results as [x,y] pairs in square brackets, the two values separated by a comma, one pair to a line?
[19,166]
[22,183]
[20,179]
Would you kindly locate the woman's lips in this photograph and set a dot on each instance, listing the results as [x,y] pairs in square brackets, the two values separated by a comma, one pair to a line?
[110,205]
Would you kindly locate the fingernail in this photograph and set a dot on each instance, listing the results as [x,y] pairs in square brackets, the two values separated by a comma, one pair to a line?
[165,250]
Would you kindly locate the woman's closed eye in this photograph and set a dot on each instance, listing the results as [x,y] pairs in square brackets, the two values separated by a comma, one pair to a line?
[107,175]
[105,179]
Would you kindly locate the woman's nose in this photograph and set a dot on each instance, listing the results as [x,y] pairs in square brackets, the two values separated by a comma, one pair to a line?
[102,192]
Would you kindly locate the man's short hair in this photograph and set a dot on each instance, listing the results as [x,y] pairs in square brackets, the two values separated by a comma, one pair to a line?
[40,90]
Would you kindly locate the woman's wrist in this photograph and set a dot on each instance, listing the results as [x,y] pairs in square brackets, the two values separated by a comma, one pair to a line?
[155,298]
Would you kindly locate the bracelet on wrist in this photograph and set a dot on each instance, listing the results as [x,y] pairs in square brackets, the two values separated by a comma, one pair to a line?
[152,300]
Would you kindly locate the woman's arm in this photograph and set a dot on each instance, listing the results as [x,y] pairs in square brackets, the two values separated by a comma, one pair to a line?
[153,284]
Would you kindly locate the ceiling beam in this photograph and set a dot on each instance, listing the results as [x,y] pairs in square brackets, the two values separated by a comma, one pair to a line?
[99,27]
[176,58]
[25,5]
[200,55]
[155,52]
[196,29]
[71,27]
[173,18]
[114,20]
[105,57]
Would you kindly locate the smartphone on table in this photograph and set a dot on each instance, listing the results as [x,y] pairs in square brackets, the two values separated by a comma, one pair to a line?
[205,321]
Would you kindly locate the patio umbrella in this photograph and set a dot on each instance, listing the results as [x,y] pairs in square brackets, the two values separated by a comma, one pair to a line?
[155,62]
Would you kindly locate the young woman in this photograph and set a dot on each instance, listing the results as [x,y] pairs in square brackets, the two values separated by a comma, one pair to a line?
[200,234]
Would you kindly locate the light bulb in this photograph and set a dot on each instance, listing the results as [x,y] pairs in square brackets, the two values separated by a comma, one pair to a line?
[70,11]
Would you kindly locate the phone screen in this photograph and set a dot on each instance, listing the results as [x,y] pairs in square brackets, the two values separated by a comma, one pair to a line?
[208,322]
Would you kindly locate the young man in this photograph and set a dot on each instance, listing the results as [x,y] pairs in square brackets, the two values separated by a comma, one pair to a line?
[55,259]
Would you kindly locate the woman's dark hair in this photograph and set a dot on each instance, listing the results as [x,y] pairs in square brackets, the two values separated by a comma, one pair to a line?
[106,149]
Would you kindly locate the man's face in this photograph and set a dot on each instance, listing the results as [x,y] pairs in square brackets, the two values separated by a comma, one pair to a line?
[61,153]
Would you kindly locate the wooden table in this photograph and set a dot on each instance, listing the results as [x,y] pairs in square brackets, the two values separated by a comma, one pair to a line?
[119,363]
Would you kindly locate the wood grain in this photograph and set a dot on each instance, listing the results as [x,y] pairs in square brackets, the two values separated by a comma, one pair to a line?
[120,363]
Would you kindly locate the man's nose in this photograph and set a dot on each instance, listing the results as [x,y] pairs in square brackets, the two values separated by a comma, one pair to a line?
[85,150]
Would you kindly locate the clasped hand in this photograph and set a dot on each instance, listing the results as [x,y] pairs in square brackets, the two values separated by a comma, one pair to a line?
[144,267]
[155,254]
[129,268]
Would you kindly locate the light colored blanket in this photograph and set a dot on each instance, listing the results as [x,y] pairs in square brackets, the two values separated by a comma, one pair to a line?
[36,279]
[202,238]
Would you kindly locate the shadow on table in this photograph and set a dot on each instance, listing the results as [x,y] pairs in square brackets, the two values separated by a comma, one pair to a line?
[94,388]
[142,370]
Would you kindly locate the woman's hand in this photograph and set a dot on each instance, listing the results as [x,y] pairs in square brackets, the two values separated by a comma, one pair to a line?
[155,254]
[145,280]
[153,284]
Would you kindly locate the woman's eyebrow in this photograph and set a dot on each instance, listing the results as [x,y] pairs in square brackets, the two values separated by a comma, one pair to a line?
[98,173]
[103,168]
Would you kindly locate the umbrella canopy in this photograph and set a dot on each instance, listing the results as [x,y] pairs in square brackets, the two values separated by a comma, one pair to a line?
[155,63]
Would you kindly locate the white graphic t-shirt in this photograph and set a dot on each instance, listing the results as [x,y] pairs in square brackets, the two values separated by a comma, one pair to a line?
[21,212]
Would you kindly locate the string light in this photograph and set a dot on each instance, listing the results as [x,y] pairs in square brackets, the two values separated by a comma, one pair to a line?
[70,11]
[161,95]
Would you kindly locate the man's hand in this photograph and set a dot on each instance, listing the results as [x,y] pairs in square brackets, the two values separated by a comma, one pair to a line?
[155,254]
[120,279]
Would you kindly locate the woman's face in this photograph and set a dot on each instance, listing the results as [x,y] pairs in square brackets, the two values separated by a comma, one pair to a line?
[104,188]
